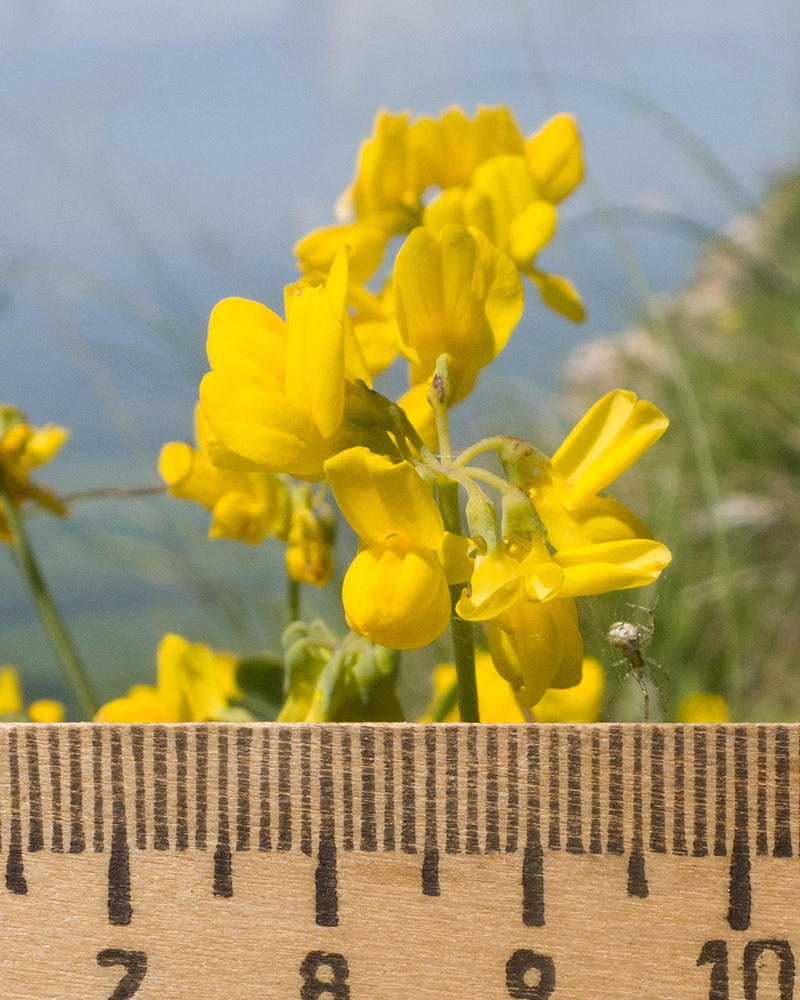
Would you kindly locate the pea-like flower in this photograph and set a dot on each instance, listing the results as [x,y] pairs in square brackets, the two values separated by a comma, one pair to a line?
[22,448]
[396,590]
[246,506]
[512,196]
[615,432]
[195,684]
[454,294]
[275,398]
[536,646]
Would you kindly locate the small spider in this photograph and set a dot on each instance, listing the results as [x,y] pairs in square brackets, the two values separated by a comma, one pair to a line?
[630,639]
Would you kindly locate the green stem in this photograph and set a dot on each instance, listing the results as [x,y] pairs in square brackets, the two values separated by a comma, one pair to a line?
[103,493]
[293,600]
[463,645]
[54,628]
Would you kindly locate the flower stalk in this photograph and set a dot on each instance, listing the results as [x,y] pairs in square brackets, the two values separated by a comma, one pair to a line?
[39,595]
[463,644]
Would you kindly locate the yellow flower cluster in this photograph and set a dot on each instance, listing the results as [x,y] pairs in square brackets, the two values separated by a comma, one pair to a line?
[22,448]
[475,201]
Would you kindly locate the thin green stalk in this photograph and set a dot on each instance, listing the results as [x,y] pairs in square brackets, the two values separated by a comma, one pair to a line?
[463,645]
[54,628]
[293,601]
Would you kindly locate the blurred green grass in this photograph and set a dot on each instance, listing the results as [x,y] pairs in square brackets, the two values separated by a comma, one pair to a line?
[728,613]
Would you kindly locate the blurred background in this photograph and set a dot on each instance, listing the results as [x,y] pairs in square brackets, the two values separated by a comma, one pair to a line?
[158,155]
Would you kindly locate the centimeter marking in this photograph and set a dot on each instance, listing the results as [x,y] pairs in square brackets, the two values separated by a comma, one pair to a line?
[636,790]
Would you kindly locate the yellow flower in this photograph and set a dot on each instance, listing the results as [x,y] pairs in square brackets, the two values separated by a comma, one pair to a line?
[511,197]
[502,576]
[454,295]
[616,431]
[309,557]
[275,398]
[703,708]
[22,448]
[246,506]
[10,692]
[46,710]
[489,175]
[195,684]
[396,590]
[580,703]
[384,198]
[11,703]
[496,700]
[528,571]
[537,646]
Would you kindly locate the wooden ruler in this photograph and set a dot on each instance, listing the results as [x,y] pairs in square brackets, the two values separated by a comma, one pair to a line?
[399,862]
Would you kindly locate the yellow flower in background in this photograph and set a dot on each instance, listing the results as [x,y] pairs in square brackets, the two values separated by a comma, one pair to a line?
[496,698]
[703,708]
[10,691]
[456,295]
[537,646]
[396,590]
[309,556]
[275,397]
[46,710]
[22,448]
[580,703]
[615,432]
[195,684]
[384,199]
[511,197]
[489,176]
[11,703]
[246,506]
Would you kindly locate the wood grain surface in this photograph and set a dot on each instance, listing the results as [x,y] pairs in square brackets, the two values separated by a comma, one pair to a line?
[391,862]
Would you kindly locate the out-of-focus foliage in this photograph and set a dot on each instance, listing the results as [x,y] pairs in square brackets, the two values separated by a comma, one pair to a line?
[722,357]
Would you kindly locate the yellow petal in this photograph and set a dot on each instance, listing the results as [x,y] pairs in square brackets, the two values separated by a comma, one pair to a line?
[578,703]
[438,307]
[554,155]
[379,498]
[247,335]
[190,475]
[594,520]
[315,358]
[495,585]
[396,594]
[143,704]
[703,708]
[509,185]
[42,444]
[607,441]
[367,241]
[420,413]
[10,693]
[460,207]
[46,710]
[559,293]
[531,643]
[597,569]
[505,295]
[263,426]
[530,230]
[454,555]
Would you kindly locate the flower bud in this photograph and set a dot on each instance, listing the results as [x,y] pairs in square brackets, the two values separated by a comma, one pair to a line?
[396,594]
